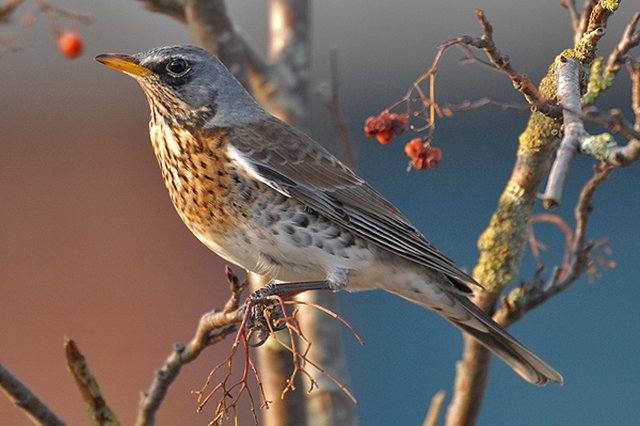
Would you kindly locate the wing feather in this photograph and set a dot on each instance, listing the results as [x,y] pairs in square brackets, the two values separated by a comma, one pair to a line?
[297,166]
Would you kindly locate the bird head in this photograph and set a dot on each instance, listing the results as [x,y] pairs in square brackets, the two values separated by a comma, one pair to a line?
[189,85]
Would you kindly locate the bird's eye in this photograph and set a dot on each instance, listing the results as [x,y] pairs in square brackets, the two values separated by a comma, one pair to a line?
[178,66]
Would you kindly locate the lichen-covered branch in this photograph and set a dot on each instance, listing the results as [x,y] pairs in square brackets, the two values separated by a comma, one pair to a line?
[503,243]
[32,406]
[524,299]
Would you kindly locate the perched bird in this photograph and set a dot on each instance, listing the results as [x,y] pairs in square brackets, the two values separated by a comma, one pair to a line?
[265,196]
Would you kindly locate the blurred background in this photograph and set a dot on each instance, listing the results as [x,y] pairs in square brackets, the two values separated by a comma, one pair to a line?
[91,248]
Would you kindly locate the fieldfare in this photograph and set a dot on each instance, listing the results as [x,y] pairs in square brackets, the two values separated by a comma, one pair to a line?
[265,196]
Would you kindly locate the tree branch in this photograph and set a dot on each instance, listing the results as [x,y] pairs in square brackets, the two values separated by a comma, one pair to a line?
[569,98]
[27,401]
[99,411]
[213,327]
[502,244]
[524,299]
[213,30]
[331,98]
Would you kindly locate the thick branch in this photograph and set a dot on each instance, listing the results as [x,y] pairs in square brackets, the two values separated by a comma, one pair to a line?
[27,401]
[224,322]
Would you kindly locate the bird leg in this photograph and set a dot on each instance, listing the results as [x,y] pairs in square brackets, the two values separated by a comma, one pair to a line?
[265,308]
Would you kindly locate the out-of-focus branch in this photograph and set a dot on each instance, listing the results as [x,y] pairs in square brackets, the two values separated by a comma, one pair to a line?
[433,414]
[8,8]
[331,97]
[173,8]
[27,401]
[289,55]
[630,39]
[212,328]
[213,30]
[524,299]
[99,412]
[574,17]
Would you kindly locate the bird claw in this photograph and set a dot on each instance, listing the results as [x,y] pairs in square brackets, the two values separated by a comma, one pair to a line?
[265,314]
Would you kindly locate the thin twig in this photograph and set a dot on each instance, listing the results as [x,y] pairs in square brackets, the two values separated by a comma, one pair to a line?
[99,411]
[433,415]
[224,321]
[630,39]
[32,406]
[331,99]
[574,17]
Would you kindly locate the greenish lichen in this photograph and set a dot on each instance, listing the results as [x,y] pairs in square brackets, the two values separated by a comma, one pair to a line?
[610,5]
[598,146]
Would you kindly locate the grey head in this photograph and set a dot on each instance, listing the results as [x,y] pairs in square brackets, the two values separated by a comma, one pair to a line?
[189,86]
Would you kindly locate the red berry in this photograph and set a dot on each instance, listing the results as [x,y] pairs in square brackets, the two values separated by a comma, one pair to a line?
[414,148]
[70,44]
[420,162]
[385,136]
[434,156]
[371,126]
[399,123]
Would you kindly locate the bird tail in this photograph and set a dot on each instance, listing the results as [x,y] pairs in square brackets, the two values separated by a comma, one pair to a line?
[462,313]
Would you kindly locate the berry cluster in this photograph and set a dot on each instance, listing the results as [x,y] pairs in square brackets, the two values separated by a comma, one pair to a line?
[422,155]
[385,126]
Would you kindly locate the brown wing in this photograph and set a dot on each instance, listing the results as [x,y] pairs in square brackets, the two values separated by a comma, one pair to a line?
[293,163]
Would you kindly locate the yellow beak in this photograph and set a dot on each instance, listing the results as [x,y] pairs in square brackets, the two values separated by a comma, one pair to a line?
[124,63]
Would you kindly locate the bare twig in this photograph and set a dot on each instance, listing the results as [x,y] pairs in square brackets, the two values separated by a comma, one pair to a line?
[212,328]
[32,406]
[630,39]
[8,8]
[434,409]
[574,17]
[99,412]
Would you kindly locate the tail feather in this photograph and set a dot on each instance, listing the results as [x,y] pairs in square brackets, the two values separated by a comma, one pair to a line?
[461,312]
[495,338]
